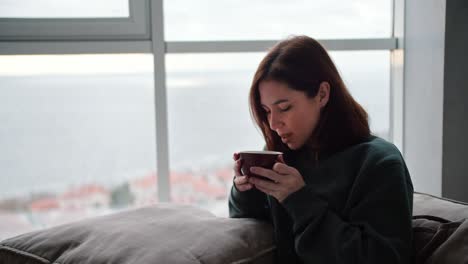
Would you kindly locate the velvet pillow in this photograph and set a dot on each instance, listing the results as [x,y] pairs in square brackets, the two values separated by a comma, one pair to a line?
[429,233]
[158,234]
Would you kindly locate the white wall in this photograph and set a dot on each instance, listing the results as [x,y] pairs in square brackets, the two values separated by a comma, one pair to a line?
[423,100]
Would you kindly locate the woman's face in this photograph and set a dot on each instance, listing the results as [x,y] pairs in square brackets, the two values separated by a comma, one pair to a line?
[291,114]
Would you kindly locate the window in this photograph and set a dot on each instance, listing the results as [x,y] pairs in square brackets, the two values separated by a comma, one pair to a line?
[209,120]
[94,123]
[209,116]
[77,137]
[63,9]
[367,76]
[241,20]
[74,20]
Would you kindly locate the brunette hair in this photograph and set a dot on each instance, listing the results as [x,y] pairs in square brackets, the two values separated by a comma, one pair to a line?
[302,63]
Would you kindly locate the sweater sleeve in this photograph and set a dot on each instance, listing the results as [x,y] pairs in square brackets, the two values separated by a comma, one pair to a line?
[376,227]
[248,204]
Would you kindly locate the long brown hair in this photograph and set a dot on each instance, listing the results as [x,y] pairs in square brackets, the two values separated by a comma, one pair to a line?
[302,63]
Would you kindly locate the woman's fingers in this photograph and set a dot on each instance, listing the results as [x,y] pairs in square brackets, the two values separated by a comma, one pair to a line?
[281,159]
[281,168]
[241,180]
[264,190]
[237,167]
[272,175]
[264,184]
[242,183]
[237,164]
[244,187]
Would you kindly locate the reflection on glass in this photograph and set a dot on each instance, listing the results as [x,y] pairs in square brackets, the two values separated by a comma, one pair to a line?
[208,121]
[77,138]
[240,20]
[367,76]
[209,117]
[63,9]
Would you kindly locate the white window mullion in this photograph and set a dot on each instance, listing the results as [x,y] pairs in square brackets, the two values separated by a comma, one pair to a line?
[145,46]
[162,137]
[74,47]
[263,45]
[397,77]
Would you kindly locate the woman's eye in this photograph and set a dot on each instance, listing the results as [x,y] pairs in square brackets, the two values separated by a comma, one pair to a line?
[285,109]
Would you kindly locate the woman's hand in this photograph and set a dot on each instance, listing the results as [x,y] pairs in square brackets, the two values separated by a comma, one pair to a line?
[284,180]
[241,182]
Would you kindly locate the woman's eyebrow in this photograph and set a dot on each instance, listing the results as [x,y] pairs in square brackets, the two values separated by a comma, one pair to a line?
[278,102]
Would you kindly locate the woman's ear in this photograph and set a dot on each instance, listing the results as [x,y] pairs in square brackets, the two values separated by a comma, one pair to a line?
[323,93]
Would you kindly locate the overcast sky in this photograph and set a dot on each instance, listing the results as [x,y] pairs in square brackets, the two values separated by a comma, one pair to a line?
[204,20]
[233,19]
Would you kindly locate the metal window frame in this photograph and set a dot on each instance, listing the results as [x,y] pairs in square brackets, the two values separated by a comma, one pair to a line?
[263,45]
[397,76]
[136,26]
[149,38]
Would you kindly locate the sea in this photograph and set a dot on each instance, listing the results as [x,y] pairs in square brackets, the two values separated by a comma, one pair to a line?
[64,130]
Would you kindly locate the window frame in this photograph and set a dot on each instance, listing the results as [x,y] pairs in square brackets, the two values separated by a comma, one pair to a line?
[134,27]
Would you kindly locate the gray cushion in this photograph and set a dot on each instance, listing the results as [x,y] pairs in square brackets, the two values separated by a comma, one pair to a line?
[429,234]
[424,204]
[454,249]
[440,230]
[158,234]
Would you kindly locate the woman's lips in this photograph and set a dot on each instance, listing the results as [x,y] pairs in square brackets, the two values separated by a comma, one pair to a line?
[285,137]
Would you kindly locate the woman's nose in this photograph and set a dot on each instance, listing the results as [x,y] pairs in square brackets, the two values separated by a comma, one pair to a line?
[275,122]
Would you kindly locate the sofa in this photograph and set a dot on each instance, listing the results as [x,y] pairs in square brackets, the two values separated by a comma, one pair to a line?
[440,230]
[167,233]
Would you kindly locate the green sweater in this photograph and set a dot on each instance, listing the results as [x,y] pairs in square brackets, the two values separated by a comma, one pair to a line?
[356,207]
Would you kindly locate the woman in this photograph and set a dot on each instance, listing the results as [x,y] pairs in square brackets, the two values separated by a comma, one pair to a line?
[338,194]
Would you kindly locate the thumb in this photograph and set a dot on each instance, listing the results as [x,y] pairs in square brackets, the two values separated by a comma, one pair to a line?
[281,159]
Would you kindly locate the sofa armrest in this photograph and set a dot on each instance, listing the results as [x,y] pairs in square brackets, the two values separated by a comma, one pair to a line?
[426,204]
[158,234]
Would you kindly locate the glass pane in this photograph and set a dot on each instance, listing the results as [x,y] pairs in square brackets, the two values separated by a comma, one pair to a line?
[77,137]
[240,20]
[63,9]
[209,117]
[367,76]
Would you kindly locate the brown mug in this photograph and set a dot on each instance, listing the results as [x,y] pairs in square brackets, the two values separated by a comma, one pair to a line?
[265,159]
